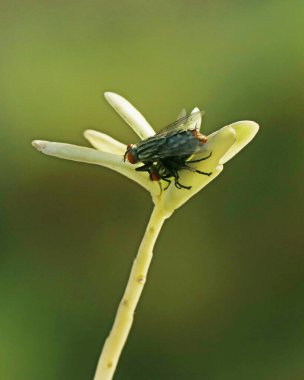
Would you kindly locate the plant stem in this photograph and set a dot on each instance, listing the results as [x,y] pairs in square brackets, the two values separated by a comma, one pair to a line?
[124,317]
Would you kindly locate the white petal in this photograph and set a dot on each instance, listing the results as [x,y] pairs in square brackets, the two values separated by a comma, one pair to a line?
[245,132]
[130,114]
[105,143]
[195,109]
[92,156]
[218,144]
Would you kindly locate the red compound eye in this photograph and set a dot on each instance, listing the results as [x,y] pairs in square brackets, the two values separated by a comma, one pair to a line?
[131,158]
[129,155]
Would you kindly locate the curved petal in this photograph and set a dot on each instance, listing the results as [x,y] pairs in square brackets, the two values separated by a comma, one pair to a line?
[130,115]
[105,143]
[92,156]
[179,199]
[245,132]
[218,144]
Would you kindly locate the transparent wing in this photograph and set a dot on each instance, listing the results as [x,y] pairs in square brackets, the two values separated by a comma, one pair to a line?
[182,113]
[182,124]
[178,144]
[192,148]
[182,143]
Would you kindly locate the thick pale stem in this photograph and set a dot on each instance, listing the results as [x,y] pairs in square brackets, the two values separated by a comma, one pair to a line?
[124,318]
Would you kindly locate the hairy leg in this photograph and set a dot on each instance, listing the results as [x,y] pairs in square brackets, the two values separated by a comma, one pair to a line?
[201,159]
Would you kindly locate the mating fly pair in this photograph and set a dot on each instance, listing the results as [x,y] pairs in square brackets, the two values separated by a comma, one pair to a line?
[170,150]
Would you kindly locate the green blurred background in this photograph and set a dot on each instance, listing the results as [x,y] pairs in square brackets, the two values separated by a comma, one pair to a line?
[224,298]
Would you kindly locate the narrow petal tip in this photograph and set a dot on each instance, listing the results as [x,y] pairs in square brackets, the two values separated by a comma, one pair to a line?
[248,127]
[195,109]
[130,115]
[108,95]
[245,131]
[39,145]
[103,142]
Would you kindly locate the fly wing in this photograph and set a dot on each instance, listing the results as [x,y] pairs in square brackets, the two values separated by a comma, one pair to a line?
[188,122]
[180,144]
[200,151]
[175,140]
[182,113]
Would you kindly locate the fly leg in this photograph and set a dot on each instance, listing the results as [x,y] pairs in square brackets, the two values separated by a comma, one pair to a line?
[186,167]
[151,169]
[195,170]
[199,172]
[201,159]
[177,184]
[167,180]
[145,167]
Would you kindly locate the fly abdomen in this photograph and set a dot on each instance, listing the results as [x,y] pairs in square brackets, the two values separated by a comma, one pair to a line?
[181,144]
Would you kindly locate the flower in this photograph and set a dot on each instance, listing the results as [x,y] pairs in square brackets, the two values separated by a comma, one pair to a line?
[224,144]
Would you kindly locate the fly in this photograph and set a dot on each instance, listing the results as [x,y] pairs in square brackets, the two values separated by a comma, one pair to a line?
[168,151]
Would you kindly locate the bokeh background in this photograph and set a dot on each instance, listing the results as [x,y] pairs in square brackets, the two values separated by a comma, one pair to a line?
[224,298]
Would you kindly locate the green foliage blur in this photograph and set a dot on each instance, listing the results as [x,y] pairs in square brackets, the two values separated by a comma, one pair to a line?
[224,297]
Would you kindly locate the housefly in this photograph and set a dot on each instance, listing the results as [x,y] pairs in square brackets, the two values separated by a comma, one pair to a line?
[170,150]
